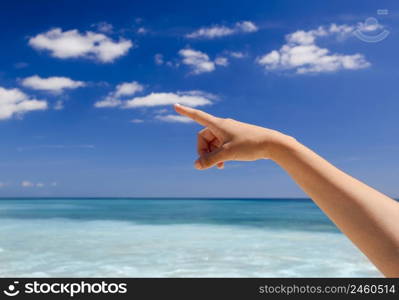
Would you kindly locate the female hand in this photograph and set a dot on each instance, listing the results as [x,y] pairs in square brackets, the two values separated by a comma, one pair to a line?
[227,139]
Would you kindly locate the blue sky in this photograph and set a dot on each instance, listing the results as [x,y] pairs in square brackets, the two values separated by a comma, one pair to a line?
[86,89]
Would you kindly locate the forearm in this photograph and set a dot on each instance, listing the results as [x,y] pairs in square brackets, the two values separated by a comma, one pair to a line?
[369,218]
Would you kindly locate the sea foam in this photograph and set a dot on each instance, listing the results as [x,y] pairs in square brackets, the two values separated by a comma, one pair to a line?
[72,248]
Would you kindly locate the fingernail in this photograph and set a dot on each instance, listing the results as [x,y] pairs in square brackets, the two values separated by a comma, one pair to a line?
[177,104]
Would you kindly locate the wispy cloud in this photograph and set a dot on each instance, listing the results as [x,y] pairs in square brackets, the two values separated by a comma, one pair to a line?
[189,98]
[199,62]
[301,54]
[158,59]
[30,184]
[236,54]
[142,30]
[173,119]
[51,84]
[192,98]
[122,90]
[118,97]
[27,183]
[222,61]
[14,102]
[36,147]
[128,89]
[103,27]
[73,44]
[136,121]
[218,31]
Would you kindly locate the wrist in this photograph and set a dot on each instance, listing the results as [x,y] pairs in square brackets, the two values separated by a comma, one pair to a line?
[281,144]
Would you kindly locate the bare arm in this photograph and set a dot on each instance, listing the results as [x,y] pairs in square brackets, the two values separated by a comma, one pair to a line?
[369,218]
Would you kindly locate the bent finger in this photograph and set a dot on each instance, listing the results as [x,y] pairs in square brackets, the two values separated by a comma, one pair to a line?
[202,145]
[210,159]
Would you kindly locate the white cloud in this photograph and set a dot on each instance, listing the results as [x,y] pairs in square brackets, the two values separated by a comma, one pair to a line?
[27,183]
[128,89]
[236,54]
[218,31]
[122,90]
[199,93]
[211,32]
[173,118]
[158,58]
[108,102]
[137,121]
[142,30]
[246,26]
[59,105]
[73,44]
[222,61]
[197,60]
[104,27]
[51,84]
[15,102]
[200,62]
[301,53]
[191,98]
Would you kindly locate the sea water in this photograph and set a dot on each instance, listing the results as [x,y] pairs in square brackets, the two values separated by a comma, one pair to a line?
[173,238]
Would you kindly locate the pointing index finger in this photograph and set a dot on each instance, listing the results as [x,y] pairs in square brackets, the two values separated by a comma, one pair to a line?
[197,115]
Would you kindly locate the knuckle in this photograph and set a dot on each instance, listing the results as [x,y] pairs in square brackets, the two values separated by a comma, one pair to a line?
[227,147]
[224,121]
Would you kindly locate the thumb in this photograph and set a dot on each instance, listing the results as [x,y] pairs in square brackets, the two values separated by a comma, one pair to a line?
[210,159]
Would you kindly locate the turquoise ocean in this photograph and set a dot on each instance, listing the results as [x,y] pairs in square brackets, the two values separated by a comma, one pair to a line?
[147,237]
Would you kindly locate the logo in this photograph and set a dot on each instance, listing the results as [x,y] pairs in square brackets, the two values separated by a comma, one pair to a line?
[12,289]
[368,31]
[66,288]
[382,11]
